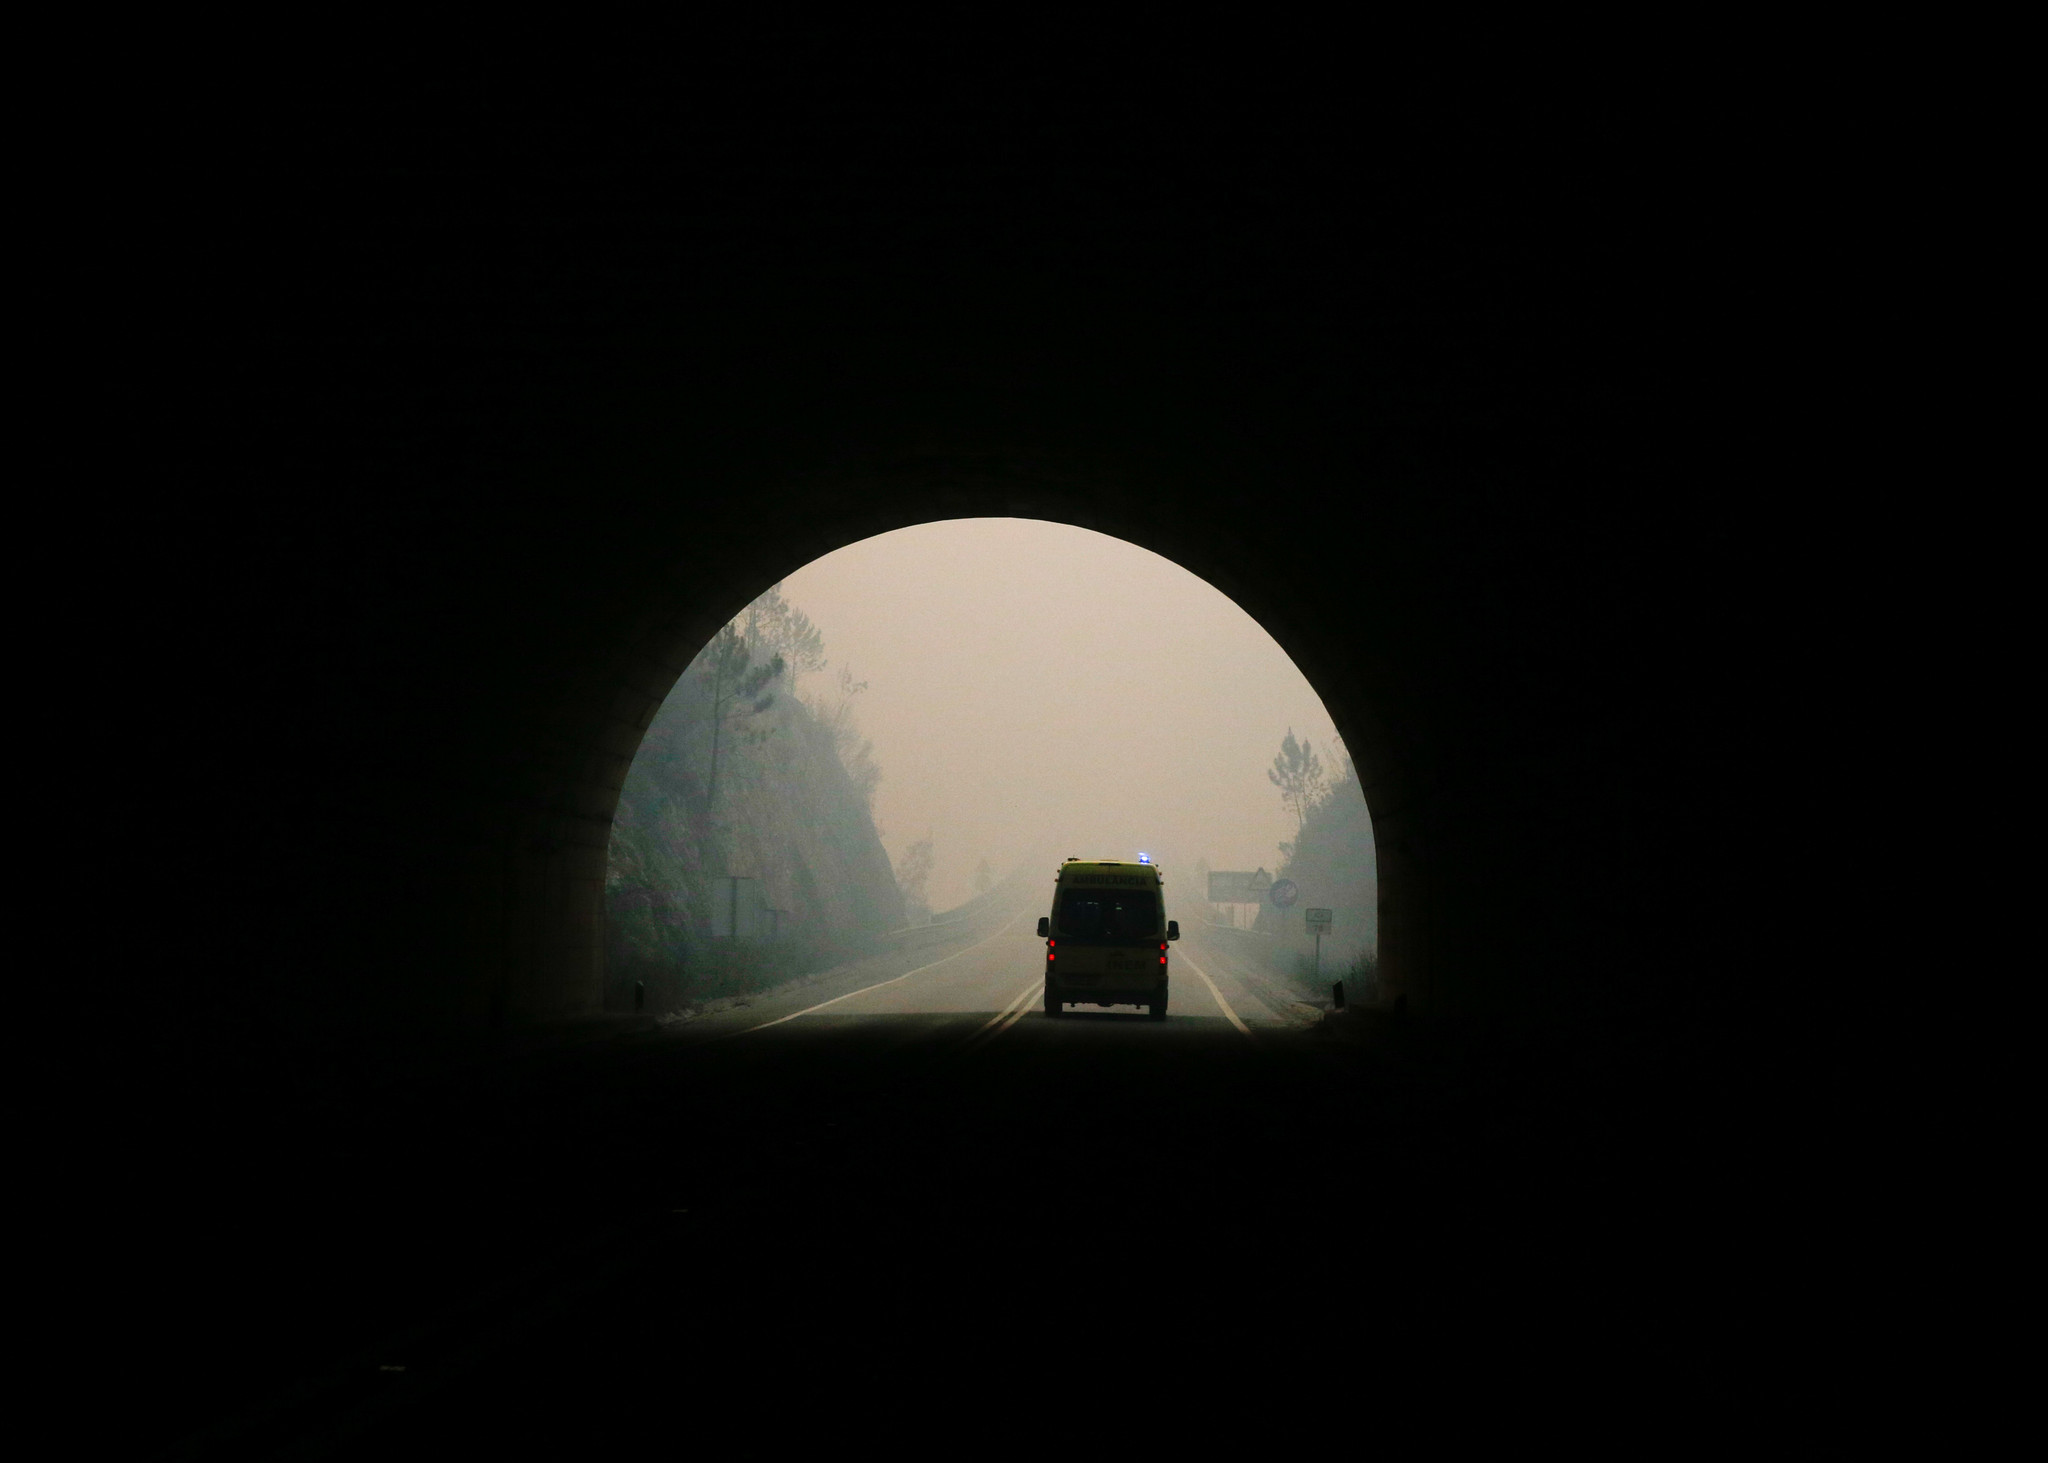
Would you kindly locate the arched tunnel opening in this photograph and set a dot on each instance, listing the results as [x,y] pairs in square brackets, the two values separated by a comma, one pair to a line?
[881,755]
[478,455]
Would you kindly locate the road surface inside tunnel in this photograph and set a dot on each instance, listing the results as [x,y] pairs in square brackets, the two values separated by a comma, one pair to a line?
[902,1173]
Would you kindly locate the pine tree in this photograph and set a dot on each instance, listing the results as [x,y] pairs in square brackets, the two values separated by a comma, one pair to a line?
[1298,773]
[774,626]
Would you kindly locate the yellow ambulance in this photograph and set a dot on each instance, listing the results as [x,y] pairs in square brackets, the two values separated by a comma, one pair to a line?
[1105,940]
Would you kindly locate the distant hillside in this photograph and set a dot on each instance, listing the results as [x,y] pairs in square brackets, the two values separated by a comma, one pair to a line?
[786,812]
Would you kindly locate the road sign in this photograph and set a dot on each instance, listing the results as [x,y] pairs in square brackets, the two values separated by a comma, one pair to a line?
[1235,888]
[1318,921]
[1284,893]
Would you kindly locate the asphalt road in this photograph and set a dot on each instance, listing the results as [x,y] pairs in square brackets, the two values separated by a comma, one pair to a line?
[899,1186]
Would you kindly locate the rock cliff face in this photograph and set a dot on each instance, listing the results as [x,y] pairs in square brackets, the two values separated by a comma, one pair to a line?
[783,810]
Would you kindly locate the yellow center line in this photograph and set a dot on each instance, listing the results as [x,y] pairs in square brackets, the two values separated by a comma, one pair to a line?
[1023,1007]
[1003,1020]
[1023,995]
[1221,1004]
[880,983]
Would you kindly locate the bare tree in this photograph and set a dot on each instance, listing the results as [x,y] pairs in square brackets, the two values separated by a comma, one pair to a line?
[856,752]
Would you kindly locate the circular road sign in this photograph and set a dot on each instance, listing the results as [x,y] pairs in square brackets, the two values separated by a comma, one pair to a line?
[1284,893]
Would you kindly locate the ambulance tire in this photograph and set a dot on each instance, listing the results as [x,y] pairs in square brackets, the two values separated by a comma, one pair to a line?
[1052,1000]
[1157,1010]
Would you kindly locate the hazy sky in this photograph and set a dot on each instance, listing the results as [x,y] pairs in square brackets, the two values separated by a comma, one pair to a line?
[1030,681]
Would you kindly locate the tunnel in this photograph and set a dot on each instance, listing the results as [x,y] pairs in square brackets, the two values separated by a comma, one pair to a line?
[1506,758]
[484,598]
[485,416]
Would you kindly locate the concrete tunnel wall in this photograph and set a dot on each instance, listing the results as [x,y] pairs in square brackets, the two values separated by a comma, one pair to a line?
[473,468]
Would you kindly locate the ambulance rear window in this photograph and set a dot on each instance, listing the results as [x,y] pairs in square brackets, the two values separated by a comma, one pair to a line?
[1109,915]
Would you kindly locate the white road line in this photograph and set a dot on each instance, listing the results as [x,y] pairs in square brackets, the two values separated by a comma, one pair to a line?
[1221,1004]
[880,983]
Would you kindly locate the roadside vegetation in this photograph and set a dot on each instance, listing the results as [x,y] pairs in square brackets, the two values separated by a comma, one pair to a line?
[747,772]
[1332,862]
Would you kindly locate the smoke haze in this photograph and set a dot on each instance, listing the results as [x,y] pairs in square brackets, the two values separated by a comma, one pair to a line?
[1034,684]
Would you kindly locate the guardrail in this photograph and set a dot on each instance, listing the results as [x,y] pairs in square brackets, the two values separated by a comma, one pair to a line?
[996,898]
[931,924]
[1222,929]
[911,936]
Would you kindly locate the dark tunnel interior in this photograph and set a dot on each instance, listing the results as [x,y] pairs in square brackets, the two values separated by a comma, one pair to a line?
[489,394]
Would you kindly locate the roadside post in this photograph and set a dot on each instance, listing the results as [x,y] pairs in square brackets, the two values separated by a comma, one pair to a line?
[1319,920]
